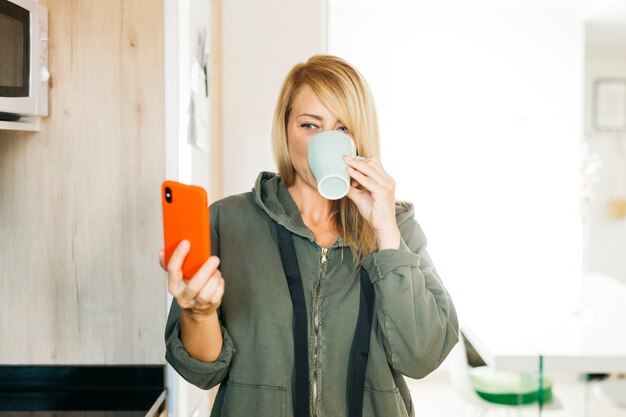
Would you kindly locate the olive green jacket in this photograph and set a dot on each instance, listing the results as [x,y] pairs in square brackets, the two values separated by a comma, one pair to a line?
[413,328]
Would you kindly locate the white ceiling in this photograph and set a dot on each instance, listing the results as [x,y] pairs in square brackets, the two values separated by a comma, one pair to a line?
[605,22]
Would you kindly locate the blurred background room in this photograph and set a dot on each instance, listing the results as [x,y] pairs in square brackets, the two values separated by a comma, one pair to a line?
[503,121]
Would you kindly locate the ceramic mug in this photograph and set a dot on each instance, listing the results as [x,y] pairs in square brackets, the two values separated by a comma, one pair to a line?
[325,152]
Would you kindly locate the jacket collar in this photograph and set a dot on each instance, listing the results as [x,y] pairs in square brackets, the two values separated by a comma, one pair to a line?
[272,196]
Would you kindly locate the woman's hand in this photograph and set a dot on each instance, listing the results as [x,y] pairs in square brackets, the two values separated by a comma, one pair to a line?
[376,202]
[200,296]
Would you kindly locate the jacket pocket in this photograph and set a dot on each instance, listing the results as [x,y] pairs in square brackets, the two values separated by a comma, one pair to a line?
[253,400]
[383,403]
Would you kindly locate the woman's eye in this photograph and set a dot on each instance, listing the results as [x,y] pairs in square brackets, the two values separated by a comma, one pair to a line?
[309,126]
[343,129]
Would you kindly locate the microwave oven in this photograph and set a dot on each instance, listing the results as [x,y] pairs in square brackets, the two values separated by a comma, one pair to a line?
[23,59]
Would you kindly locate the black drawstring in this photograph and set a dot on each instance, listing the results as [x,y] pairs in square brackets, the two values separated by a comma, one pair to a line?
[361,346]
[300,334]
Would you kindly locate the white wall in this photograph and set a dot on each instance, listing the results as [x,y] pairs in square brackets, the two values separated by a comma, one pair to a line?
[480,109]
[262,40]
[605,57]
[183,21]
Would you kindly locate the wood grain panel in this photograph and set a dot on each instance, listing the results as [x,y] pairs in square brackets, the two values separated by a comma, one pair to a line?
[215,83]
[79,201]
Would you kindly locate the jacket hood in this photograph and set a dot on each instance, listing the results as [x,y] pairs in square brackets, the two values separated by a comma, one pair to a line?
[271,195]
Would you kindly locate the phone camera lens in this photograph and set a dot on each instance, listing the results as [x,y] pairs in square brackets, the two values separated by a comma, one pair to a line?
[168,194]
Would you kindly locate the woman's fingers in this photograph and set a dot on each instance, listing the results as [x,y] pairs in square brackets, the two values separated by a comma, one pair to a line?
[219,293]
[178,257]
[174,269]
[371,167]
[162,259]
[209,295]
[364,180]
[201,277]
[371,175]
[208,298]
[204,291]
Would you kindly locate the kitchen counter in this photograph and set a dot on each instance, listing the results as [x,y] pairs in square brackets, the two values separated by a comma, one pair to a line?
[67,391]
[72,413]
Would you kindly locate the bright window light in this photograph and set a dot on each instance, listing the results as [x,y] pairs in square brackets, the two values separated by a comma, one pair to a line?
[480,113]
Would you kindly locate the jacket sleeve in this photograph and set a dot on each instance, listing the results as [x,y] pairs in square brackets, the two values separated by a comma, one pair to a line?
[205,375]
[417,318]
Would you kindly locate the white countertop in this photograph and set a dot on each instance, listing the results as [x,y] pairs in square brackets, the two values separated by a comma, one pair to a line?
[589,340]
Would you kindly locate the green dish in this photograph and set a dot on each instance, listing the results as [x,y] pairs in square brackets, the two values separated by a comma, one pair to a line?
[508,388]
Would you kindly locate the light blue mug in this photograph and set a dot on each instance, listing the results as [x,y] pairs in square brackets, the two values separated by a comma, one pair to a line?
[325,153]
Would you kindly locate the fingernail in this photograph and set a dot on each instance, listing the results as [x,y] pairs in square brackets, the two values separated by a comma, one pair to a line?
[185,244]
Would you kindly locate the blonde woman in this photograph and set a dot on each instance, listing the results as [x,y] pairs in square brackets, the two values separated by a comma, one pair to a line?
[327,303]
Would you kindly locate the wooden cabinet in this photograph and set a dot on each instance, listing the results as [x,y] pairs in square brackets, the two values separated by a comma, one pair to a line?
[80,215]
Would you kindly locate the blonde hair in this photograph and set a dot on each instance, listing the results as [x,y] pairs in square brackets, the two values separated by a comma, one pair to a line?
[344,92]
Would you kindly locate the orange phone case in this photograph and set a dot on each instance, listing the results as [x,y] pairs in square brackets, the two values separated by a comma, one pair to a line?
[186,216]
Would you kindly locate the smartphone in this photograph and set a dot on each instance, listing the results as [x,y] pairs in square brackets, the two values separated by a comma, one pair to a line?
[186,217]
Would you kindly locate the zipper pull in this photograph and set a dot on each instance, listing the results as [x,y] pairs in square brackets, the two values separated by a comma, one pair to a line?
[324,256]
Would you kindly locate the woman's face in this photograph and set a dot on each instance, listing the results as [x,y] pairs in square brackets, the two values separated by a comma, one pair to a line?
[308,117]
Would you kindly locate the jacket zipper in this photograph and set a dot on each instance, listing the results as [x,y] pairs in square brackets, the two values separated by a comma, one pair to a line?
[316,326]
